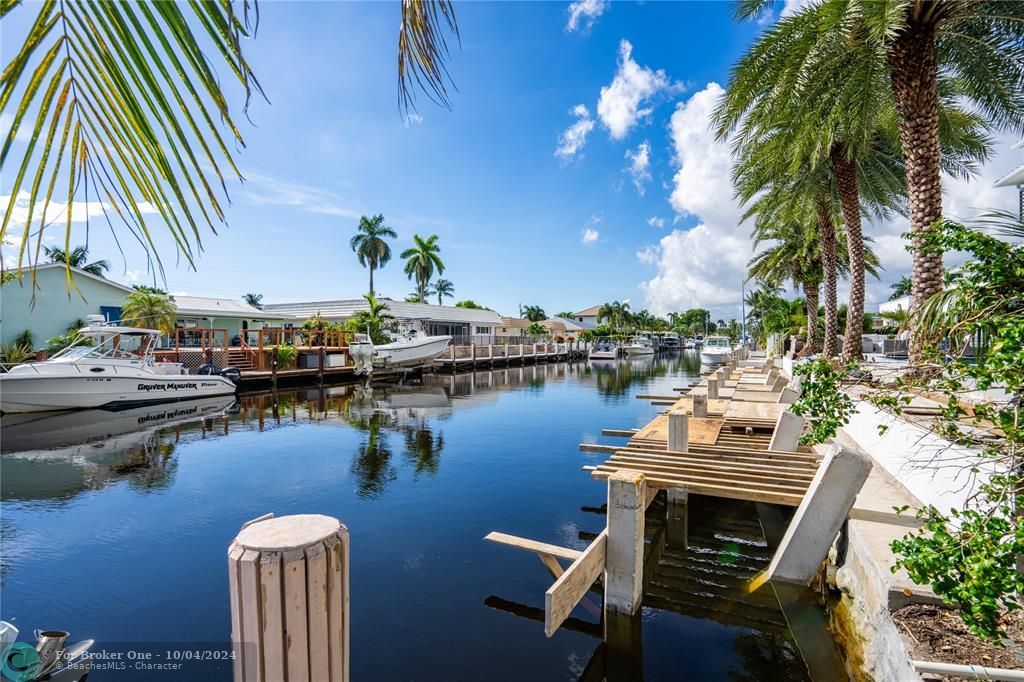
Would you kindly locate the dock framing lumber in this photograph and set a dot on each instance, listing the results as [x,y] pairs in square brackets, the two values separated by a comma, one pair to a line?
[534,546]
[574,583]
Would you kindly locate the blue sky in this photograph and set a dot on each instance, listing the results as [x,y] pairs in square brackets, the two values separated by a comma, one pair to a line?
[640,208]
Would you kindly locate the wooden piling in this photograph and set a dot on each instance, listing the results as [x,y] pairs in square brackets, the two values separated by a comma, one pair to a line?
[678,430]
[712,389]
[700,405]
[288,581]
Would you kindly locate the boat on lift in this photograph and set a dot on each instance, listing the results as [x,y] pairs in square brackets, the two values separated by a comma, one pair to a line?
[411,349]
[111,368]
[715,351]
[604,350]
[641,345]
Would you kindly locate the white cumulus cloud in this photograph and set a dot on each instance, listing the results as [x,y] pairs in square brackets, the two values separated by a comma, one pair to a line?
[590,235]
[702,265]
[655,221]
[621,104]
[583,14]
[639,168]
[574,138]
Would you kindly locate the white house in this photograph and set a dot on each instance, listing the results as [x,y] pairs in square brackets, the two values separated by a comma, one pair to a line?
[587,318]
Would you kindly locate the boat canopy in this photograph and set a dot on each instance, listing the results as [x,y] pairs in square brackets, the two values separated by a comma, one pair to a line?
[111,330]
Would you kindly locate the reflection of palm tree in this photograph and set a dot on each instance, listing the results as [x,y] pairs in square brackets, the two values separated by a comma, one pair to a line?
[372,466]
[423,449]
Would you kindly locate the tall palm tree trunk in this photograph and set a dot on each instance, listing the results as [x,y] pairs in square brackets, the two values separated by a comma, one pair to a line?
[827,233]
[811,300]
[913,65]
[845,171]
[371,281]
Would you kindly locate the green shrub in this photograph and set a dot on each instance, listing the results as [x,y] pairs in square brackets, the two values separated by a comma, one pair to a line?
[285,354]
[15,353]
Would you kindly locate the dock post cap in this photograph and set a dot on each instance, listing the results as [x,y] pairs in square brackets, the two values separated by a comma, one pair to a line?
[284,533]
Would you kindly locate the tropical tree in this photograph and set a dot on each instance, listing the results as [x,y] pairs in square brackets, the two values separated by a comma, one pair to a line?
[255,300]
[900,288]
[565,315]
[150,311]
[536,329]
[150,289]
[977,44]
[442,288]
[421,260]
[616,313]
[77,257]
[643,319]
[126,102]
[370,244]
[469,303]
[375,320]
[534,313]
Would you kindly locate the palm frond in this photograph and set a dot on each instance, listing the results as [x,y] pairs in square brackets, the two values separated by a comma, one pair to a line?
[423,51]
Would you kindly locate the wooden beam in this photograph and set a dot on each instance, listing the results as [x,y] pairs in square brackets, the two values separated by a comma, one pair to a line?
[619,433]
[597,447]
[533,546]
[562,597]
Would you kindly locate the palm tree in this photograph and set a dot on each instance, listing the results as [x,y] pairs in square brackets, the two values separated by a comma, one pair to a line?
[900,288]
[977,44]
[78,257]
[375,320]
[443,287]
[534,313]
[255,300]
[370,246]
[150,311]
[643,320]
[421,261]
[127,102]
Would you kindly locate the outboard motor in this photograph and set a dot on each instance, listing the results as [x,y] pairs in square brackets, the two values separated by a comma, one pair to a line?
[206,370]
[231,373]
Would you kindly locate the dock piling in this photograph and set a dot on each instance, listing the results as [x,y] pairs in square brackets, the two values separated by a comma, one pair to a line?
[700,405]
[786,436]
[712,389]
[624,567]
[678,430]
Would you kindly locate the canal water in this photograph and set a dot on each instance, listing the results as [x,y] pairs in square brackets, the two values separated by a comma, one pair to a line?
[115,526]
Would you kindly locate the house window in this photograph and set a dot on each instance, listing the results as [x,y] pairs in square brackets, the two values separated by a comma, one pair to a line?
[483,330]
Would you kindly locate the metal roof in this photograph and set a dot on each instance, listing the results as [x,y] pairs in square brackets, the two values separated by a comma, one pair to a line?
[1014,179]
[218,307]
[347,308]
[568,324]
[589,312]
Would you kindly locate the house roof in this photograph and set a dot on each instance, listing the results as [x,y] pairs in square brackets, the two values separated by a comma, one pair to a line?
[589,312]
[515,322]
[554,325]
[219,307]
[1013,179]
[78,272]
[347,308]
[569,325]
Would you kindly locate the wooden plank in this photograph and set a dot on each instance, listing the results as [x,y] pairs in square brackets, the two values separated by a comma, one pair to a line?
[252,626]
[295,622]
[618,433]
[338,604]
[754,396]
[596,447]
[754,411]
[701,475]
[669,481]
[235,552]
[728,459]
[890,517]
[806,458]
[316,594]
[533,546]
[702,430]
[786,473]
[274,636]
[562,597]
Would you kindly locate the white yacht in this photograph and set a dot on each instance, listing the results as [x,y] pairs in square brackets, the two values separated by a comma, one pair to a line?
[114,368]
[670,341]
[411,349]
[715,351]
[641,345]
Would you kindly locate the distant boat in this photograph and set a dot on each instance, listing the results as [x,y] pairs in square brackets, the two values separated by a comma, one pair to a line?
[412,350]
[114,369]
[670,341]
[604,350]
[715,351]
[640,346]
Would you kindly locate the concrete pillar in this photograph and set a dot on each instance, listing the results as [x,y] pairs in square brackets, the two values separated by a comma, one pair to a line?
[676,521]
[712,389]
[788,396]
[700,404]
[472,353]
[624,563]
[779,383]
[288,581]
[678,431]
[820,516]
[786,436]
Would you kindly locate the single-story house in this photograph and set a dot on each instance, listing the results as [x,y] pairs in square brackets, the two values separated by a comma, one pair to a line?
[901,303]
[513,326]
[55,310]
[464,324]
[587,318]
[566,328]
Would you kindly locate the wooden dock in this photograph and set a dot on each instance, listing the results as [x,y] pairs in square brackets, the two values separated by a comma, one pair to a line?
[496,355]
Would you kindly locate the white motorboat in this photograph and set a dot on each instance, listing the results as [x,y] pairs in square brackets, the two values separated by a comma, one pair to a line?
[715,351]
[114,368]
[641,345]
[604,350]
[670,341]
[411,350]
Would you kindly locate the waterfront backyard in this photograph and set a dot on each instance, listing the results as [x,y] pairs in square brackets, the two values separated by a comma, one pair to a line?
[120,534]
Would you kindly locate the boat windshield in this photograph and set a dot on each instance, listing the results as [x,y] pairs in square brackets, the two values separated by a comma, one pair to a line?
[716,342]
[109,347]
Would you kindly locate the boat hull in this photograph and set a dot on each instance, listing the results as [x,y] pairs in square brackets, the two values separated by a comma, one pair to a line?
[407,355]
[713,358]
[44,393]
[639,350]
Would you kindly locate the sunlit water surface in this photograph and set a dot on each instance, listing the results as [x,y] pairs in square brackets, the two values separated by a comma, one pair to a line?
[115,525]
